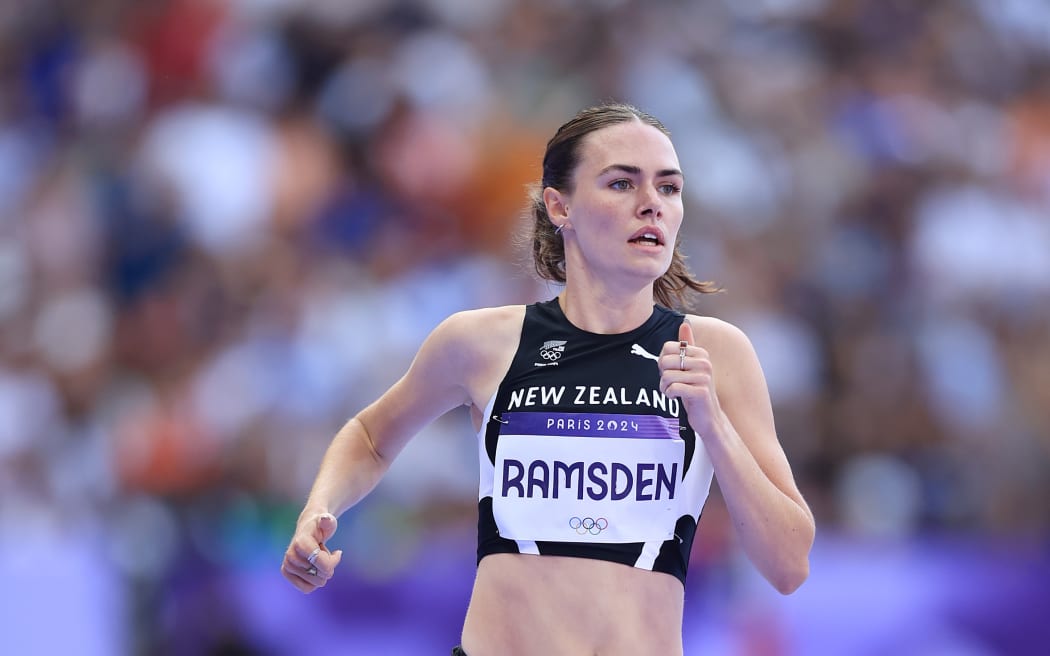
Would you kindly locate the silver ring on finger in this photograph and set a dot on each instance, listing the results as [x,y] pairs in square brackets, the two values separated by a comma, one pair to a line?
[312,571]
[312,558]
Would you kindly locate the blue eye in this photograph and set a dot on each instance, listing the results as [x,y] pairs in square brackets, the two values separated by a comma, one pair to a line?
[670,189]
[620,185]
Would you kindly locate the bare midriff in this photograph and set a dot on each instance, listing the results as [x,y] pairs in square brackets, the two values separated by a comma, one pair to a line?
[523,605]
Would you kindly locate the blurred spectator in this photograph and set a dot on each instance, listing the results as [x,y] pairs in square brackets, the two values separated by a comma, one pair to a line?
[224,225]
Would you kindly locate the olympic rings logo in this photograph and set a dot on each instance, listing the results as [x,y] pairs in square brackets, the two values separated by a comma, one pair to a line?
[588,525]
[550,355]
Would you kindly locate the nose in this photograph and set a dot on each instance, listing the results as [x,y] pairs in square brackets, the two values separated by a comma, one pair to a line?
[651,206]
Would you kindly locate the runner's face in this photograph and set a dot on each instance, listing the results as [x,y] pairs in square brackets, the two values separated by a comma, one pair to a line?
[626,206]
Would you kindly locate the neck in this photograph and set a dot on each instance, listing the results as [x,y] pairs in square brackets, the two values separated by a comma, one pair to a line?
[605,312]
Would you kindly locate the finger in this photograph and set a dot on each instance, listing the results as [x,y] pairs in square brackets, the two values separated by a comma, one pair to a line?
[297,580]
[326,563]
[679,390]
[680,387]
[697,357]
[302,566]
[686,380]
[304,547]
[295,560]
[670,348]
[319,557]
[669,378]
[698,375]
[326,526]
[671,355]
[685,333]
[671,362]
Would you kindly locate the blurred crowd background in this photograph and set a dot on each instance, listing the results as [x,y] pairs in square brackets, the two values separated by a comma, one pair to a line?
[226,226]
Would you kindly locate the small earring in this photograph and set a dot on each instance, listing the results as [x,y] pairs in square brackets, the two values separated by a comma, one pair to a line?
[557,230]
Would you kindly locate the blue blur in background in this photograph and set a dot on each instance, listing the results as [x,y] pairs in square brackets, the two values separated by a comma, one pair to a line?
[225,227]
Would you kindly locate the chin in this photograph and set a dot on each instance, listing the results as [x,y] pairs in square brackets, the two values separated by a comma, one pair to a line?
[652,274]
[661,269]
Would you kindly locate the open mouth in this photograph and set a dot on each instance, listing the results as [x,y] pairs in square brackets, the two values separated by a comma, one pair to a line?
[647,238]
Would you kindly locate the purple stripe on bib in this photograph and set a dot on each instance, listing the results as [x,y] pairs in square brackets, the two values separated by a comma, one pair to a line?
[588,424]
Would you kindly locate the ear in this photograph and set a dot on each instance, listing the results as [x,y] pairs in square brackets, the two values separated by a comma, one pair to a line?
[557,206]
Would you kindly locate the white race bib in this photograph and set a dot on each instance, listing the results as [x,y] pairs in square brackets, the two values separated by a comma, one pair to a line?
[588,477]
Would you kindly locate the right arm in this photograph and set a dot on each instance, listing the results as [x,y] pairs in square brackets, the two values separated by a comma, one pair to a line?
[361,452]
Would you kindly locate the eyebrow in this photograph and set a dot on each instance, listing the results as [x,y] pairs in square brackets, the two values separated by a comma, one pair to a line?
[634,170]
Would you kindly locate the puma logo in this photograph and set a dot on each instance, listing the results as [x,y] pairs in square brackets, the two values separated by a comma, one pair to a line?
[638,350]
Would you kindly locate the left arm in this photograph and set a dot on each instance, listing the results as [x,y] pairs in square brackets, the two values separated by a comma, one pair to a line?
[775,526]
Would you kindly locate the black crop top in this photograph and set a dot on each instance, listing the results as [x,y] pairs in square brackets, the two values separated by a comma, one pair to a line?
[582,455]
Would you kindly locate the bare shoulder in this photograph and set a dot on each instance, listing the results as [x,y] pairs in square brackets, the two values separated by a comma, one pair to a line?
[479,345]
[477,330]
[443,375]
[732,354]
[495,317]
[466,337]
[720,338]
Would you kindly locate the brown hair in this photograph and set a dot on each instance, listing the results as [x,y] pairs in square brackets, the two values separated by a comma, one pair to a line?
[677,285]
